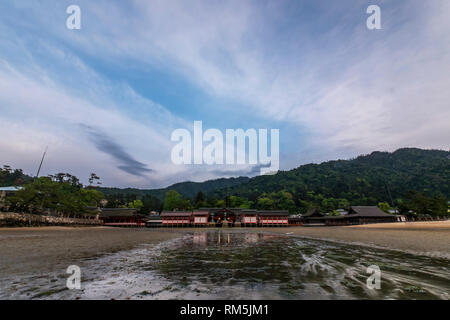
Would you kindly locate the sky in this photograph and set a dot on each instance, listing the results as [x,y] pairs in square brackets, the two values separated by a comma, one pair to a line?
[107,97]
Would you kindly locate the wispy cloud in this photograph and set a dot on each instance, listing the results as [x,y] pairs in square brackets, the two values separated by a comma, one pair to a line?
[313,70]
[107,145]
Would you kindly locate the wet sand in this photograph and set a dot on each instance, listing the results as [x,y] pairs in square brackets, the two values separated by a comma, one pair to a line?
[424,238]
[121,263]
[48,249]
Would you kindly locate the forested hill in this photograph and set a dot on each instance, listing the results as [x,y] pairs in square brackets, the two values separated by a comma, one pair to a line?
[187,189]
[367,179]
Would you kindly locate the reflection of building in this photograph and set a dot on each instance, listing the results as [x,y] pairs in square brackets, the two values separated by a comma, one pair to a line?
[251,238]
[121,217]
[201,238]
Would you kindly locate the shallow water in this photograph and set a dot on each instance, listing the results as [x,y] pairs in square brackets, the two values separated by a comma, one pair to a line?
[244,265]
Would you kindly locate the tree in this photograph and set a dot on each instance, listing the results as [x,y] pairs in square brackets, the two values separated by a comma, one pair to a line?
[200,200]
[136,204]
[62,194]
[151,203]
[221,204]
[334,213]
[9,176]
[265,203]
[174,201]
[384,206]
[424,205]
[92,178]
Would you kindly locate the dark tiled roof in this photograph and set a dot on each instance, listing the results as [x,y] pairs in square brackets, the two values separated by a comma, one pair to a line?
[273,213]
[157,218]
[368,211]
[358,212]
[313,213]
[248,212]
[201,213]
[176,214]
[118,212]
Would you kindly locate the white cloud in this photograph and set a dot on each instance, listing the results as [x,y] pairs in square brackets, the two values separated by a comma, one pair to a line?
[352,90]
[363,91]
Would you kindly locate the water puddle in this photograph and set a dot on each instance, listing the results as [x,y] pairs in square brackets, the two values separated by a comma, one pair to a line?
[242,265]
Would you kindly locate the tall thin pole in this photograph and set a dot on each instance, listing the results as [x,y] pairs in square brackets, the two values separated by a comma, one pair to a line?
[42,160]
[389,193]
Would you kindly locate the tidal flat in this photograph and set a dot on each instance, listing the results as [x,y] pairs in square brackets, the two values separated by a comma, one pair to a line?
[209,264]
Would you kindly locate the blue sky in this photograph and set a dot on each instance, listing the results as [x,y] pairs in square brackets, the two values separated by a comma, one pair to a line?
[106,98]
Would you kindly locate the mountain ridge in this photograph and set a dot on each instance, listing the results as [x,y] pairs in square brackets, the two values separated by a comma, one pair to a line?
[410,166]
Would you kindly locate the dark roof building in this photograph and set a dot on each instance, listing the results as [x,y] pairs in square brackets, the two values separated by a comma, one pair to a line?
[176,218]
[313,213]
[118,212]
[367,211]
[355,215]
[121,217]
[176,214]
[273,213]
[273,217]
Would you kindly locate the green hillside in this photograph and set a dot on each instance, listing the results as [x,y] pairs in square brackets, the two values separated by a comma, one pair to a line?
[187,189]
[365,180]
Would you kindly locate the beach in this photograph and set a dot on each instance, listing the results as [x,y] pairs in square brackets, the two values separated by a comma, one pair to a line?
[46,249]
[431,238]
[173,263]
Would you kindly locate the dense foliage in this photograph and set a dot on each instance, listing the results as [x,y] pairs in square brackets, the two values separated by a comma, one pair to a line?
[12,177]
[366,180]
[61,194]
[186,189]
[412,180]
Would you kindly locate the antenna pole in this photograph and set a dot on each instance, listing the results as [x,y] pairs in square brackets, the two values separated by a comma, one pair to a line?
[389,193]
[42,160]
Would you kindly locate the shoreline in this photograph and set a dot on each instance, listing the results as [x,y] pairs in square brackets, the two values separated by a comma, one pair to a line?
[49,249]
[420,238]
[46,249]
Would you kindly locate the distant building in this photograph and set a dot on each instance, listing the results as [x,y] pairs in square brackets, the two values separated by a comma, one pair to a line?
[225,216]
[6,192]
[311,217]
[393,211]
[153,221]
[121,217]
[201,218]
[355,215]
[249,218]
[177,218]
[273,218]
[295,220]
